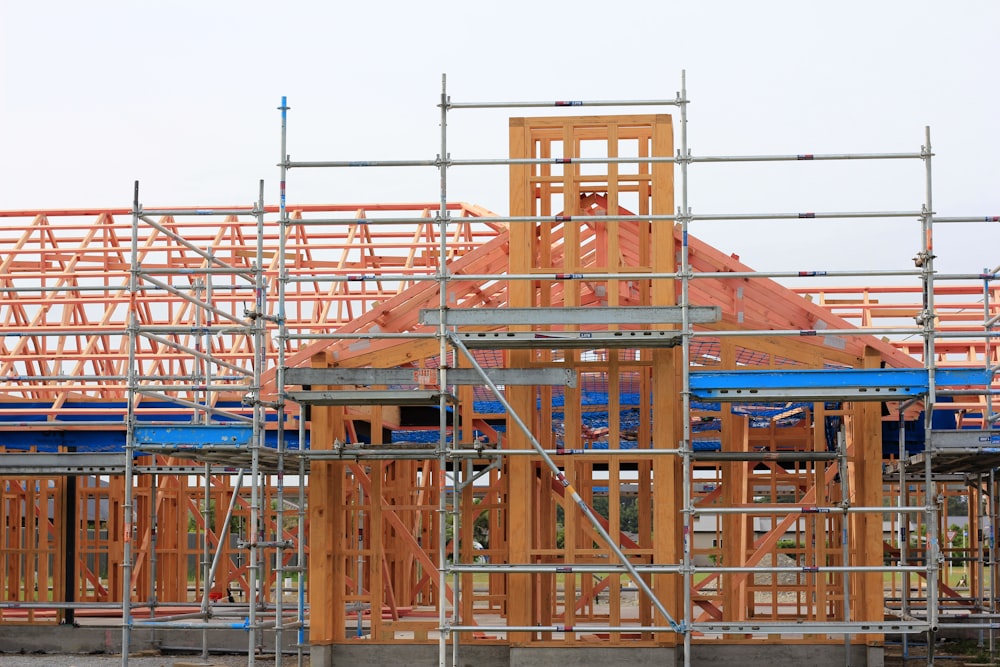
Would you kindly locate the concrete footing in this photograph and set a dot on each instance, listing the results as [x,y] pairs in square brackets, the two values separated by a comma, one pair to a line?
[702,655]
[108,639]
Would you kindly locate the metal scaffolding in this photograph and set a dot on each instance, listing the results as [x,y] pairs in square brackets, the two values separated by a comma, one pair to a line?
[407,317]
[828,386]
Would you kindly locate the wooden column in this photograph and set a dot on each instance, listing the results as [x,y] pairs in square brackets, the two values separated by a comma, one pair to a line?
[327,573]
[737,529]
[519,469]
[867,589]
[667,386]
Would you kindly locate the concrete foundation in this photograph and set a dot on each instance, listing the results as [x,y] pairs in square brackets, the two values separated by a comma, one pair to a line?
[784,655]
[702,655]
[108,640]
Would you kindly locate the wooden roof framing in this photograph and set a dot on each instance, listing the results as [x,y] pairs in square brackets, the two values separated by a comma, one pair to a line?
[65,304]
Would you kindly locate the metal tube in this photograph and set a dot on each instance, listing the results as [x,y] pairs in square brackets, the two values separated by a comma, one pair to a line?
[789,509]
[989,322]
[281,341]
[589,629]
[763,456]
[808,332]
[902,501]
[360,163]
[564,103]
[424,275]
[671,569]
[206,562]
[260,417]
[442,277]
[300,613]
[926,256]
[191,387]
[974,218]
[808,215]
[358,336]
[492,220]
[687,569]
[132,399]
[988,547]
[205,271]
[704,159]
[197,211]
[845,552]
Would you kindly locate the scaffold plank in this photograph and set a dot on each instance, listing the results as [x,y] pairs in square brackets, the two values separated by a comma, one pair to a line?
[429,376]
[194,435]
[587,340]
[568,315]
[370,397]
[828,385]
[62,463]
[971,440]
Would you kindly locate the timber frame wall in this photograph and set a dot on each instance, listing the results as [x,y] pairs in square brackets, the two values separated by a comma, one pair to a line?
[379,319]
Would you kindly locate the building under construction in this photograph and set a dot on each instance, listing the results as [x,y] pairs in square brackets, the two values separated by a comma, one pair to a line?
[425,433]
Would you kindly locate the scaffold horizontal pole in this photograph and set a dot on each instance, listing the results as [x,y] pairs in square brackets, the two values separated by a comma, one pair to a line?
[970,218]
[568,568]
[811,628]
[564,103]
[197,211]
[762,509]
[707,159]
[763,456]
[324,164]
[387,335]
[586,628]
[752,333]
[807,215]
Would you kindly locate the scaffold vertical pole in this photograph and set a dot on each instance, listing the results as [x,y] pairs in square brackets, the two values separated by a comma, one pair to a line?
[130,418]
[300,557]
[845,550]
[442,275]
[282,337]
[684,216]
[206,566]
[927,320]
[991,513]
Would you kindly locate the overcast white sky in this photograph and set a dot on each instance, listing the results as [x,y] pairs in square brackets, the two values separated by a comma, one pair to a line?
[182,96]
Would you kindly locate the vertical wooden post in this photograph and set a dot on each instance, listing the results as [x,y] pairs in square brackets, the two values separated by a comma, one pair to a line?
[667,387]
[519,469]
[327,573]
[868,591]
[736,528]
